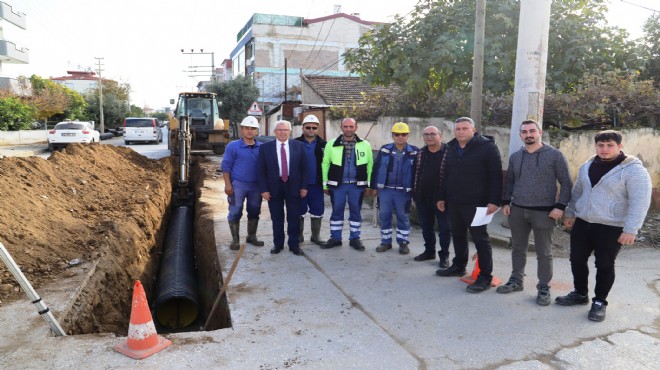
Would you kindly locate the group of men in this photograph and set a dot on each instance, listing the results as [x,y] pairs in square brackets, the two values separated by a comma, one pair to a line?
[447,182]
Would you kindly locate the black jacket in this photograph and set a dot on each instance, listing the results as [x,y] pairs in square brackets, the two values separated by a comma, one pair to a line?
[318,152]
[473,178]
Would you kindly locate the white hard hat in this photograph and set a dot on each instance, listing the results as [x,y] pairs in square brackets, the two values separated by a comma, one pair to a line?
[250,121]
[311,118]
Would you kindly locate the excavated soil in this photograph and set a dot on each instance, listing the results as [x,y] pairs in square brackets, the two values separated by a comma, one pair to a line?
[99,206]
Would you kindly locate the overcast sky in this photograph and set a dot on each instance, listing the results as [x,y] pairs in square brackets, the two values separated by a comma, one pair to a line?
[141,40]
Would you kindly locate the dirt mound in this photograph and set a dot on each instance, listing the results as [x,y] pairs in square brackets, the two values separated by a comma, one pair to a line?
[97,203]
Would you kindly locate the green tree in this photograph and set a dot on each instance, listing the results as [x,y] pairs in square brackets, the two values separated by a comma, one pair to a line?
[15,114]
[236,96]
[52,99]
[115,104]
[651,49]
[431,51]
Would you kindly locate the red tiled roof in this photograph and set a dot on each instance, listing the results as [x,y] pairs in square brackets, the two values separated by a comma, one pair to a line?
[76,75]
[344,90]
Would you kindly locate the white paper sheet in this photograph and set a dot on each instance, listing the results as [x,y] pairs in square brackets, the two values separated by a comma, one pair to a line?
[480,217]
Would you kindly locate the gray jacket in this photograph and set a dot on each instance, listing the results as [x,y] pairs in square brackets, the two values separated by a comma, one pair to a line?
[531,179]
[621,197]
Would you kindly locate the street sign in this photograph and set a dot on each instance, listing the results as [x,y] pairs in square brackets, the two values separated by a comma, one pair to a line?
[254,110]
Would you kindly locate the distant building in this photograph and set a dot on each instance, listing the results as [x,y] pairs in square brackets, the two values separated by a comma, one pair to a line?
[79,81]
[268,43]
[9,53]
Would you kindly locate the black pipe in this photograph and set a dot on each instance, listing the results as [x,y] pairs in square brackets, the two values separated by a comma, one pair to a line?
[176,302]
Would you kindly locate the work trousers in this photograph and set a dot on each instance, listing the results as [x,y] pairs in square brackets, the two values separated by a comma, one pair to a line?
[522,222]
[244,191]
[313,202]
[428,213]
[339,196]
[602,241]
[276,205]
[460,218]
[392,202]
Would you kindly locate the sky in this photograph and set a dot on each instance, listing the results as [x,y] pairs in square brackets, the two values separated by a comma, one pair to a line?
[140,41]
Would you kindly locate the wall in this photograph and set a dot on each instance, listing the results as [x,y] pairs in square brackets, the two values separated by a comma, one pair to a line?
[577,147]
[23,137]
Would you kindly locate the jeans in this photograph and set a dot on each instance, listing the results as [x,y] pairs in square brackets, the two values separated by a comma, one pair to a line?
[602,241]
[339,196]
[522,221]
[460,217]
[398,202]
[428,213]
[244,191]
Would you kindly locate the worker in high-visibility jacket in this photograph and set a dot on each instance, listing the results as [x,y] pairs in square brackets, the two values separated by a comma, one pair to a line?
[347,165]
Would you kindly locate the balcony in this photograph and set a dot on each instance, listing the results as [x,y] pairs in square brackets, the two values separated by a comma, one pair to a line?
[8,14]
[10,54]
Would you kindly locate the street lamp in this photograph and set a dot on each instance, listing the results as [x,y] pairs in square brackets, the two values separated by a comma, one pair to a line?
[201,52]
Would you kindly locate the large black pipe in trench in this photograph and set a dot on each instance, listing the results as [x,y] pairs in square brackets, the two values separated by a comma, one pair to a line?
[176,302]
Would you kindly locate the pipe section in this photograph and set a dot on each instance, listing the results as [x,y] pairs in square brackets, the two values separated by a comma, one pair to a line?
[177,302]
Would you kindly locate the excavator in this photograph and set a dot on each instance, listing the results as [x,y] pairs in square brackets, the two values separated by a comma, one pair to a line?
[195,129]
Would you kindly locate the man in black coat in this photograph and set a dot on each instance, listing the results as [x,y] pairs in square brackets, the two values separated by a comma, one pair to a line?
[470,177]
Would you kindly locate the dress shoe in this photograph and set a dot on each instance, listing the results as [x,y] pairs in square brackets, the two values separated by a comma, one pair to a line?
[425,256]
[297,251]
[276,250]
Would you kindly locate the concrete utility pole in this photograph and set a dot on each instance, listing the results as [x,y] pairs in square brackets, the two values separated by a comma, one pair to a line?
[531,63]
[101,124]
[478,64]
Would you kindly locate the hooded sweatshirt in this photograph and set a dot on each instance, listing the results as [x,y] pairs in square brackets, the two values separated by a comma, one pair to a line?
[620,198]
[531,179]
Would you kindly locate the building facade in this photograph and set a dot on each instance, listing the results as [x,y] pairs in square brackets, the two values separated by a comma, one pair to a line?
[275,50]
[9,53]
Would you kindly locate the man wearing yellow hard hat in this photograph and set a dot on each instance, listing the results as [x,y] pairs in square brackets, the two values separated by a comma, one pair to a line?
[392,180]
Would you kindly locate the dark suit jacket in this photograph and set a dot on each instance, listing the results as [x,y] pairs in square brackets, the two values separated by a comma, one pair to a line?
[269,169]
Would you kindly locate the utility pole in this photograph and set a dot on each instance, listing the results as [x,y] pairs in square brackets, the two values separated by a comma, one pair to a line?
[285,82]
[478,64]
[191,68]
[101,124]
[531,64]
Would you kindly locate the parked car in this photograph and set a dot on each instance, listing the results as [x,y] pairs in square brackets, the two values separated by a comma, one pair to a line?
[68,132]
[142,129]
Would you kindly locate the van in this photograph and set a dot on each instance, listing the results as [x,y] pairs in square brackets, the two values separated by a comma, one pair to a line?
[142,129]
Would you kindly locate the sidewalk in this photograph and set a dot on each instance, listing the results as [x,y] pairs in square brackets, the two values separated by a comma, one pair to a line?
[343,309]
[23,150]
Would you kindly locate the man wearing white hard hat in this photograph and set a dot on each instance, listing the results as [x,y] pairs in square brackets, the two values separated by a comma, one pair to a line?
[242,183]
[313,202]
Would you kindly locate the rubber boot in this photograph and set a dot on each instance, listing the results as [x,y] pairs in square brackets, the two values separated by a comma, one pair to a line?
[235,240]
[302,229]
[316,230]
[252,233]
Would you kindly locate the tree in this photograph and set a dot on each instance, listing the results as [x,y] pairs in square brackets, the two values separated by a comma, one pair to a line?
[236,96]
[651,49]
[50,98]
[115,104]
[431,51]
[15,114]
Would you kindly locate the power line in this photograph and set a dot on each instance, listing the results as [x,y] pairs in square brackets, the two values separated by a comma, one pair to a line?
[640,6]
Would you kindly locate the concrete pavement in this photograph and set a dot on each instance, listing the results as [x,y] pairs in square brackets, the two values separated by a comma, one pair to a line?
[341,309]
[23,150]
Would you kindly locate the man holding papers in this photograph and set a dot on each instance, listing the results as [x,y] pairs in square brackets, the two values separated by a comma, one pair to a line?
[470,177]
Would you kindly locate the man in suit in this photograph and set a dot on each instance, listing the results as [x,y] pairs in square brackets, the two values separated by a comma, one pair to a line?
[283,182]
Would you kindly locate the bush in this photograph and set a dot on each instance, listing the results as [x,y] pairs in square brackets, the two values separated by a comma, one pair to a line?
[14,115]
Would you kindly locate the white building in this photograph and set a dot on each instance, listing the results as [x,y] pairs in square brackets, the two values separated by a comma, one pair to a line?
[9,53]
[272,48]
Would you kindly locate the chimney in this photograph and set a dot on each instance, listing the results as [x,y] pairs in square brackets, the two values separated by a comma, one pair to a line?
[356,15]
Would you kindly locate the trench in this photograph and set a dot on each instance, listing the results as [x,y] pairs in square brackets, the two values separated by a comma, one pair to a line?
[180,272]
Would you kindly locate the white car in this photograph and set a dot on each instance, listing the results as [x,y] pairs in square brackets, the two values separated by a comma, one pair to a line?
[68,132]
[145,129]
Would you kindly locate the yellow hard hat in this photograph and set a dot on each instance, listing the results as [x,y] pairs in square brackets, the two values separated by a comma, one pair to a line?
[400,128]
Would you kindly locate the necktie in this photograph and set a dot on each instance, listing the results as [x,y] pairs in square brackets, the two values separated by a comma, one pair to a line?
[285,167]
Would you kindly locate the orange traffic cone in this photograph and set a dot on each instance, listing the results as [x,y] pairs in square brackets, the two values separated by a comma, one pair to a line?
[142,341]
[475,274]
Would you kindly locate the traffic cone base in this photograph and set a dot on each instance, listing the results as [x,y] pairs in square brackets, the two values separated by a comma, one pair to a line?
[470,279]
[143,340]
